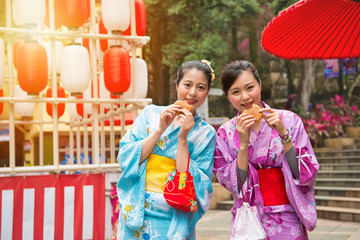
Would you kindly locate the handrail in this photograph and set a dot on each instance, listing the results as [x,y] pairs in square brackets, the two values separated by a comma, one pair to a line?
[101,167]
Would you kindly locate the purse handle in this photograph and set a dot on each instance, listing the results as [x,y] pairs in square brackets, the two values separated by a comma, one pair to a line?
[188,165]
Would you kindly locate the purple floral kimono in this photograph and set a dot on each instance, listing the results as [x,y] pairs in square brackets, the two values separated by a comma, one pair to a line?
[288,221]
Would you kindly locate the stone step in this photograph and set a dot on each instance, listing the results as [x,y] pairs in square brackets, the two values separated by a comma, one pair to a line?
[337,191]
[353,132]
[355,146]
[340,166]
[342,202]
[339,159]
[338,174]
[338,182]
[338,142]
[225,205]
[343,152]
[340,214]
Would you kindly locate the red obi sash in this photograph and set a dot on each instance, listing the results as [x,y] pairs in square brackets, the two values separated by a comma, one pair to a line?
[272,186]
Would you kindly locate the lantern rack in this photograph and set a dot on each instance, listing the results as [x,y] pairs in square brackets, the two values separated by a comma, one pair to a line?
[100,167]
[96,118]
[141,102]
[137,41]
[82,121]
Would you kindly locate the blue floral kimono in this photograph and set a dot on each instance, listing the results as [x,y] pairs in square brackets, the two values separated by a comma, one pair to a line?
[144,213]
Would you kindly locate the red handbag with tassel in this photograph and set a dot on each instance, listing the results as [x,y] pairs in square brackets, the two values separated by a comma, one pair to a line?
[179,190]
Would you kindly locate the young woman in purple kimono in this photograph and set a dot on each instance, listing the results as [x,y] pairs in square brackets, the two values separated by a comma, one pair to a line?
[269,163]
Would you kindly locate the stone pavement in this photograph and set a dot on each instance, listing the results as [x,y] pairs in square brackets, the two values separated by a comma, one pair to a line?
[215,224]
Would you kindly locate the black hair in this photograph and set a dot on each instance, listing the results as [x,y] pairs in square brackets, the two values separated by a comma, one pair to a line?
[186,66]
[232,71]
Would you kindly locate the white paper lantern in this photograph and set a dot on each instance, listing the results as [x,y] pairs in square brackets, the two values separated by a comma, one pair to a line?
[140,81]
[24,109]
[75,69]
[104,93]
[2,63]
[15,17]
[30,13]
[73,112]
[116,14]
[58,52]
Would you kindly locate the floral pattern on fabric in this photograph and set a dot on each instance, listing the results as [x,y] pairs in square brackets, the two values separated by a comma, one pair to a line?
[272,224]
[128,211]
[146,232]
[171,175]
[295,232]
[182,180]
[194,206]
[162,142]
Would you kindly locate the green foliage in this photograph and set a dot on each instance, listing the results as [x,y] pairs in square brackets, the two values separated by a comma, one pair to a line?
[197,30]
[240,8]
[210,48]
[215,30]
[279,5]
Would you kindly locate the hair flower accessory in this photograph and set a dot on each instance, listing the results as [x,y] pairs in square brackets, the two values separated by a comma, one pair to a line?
[212,70]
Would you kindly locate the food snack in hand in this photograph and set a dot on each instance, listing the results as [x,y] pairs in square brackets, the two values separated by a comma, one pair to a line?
[254,110]
[183,104]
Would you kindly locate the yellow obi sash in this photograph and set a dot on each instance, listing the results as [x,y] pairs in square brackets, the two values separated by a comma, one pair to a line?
[157,170]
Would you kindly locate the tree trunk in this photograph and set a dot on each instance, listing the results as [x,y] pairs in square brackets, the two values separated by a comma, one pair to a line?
[352,87]
[156,80]
[253,41]
[290,76]
[305,87]
[165,86]
[341,79]
[234,42]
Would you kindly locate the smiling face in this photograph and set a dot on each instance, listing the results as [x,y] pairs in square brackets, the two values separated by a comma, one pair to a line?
[193,88]
[245,91]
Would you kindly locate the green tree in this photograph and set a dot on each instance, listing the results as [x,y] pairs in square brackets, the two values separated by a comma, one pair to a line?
[212,29]
[183,30]
[179,31]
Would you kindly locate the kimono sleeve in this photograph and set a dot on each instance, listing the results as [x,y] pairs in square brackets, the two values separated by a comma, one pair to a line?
[301,192]
[305,156]
[225,167]
[131,145]
[201,167]
[131,187]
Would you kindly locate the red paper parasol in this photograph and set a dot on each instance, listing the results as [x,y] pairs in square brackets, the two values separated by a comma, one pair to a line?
[315,29]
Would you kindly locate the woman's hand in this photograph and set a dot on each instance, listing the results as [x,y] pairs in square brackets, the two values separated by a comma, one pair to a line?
[243,124]
[167,117]
[187,123]
[273,119]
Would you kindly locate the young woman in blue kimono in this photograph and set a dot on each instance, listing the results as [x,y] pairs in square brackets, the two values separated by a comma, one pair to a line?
[161,140]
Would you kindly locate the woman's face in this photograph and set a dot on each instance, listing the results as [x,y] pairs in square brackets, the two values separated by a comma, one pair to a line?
[193,88]
[245,92]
